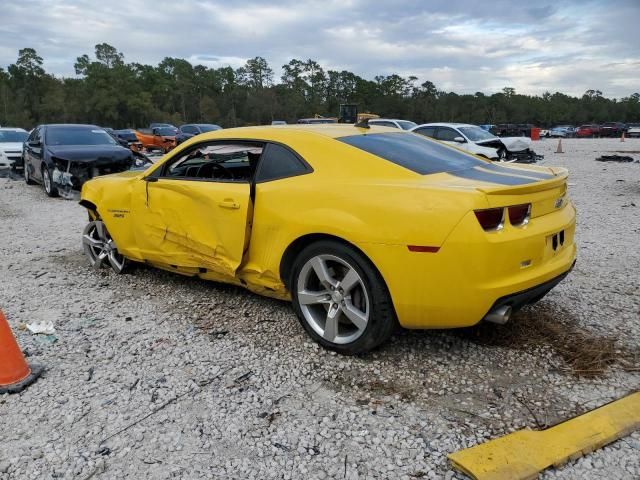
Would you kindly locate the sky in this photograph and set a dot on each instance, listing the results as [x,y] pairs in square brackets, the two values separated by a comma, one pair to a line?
[463,46]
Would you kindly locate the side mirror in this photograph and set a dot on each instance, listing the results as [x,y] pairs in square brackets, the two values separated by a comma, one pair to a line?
[34,143]
[459,140]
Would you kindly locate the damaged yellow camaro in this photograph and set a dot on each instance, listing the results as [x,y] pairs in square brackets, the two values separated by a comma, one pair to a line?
[362,228]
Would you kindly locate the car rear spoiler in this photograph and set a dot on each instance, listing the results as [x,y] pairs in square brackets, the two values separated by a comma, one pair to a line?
[561,175]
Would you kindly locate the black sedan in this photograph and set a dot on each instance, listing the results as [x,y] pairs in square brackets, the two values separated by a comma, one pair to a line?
[192,129]
[63,157]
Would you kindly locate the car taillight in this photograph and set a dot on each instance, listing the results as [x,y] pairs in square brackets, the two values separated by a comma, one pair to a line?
[490,218]
[519,214]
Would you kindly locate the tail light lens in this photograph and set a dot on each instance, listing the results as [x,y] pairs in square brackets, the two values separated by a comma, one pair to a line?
[519,214]
[490,218]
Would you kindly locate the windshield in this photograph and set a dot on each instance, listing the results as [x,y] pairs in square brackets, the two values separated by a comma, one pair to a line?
[164,132]
[406,124]
[10,136]
[78,136]
[476,134]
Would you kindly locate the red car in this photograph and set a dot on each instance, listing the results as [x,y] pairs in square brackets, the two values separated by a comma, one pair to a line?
[585,131]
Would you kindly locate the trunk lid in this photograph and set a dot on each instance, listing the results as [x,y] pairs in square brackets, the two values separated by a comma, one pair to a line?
[545,196]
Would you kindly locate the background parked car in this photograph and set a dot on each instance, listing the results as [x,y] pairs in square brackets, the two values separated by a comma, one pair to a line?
[157,138]
[588,131]
[512,130]
[562,131]
[63,157]
[452,133]
[393,123]
[127,138]
[11,140]
[315,121]
[612,129]
[278,122]
[633,130]
[192,129]
[162,125]
[478,141]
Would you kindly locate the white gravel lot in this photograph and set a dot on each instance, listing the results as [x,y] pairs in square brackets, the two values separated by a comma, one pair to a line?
[153,375]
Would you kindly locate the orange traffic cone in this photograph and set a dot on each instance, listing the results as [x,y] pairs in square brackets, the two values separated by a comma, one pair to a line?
[622,137]
[15,373]
[559,149]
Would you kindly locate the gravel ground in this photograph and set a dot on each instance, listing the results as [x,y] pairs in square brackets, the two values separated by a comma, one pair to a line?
[153,375]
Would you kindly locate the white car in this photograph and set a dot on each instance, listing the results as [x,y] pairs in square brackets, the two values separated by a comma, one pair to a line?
[474,139]
[633,130]
[11,140]
[393,123]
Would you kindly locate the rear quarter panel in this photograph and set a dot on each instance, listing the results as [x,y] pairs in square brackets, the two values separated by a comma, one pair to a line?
[344,197]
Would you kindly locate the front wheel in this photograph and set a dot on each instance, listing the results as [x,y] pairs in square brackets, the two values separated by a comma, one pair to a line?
[340,298]
[99,246]
[47,181]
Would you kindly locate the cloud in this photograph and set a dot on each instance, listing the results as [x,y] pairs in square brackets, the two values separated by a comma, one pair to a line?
[460,45]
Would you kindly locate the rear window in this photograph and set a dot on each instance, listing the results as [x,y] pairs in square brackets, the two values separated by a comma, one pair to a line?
[414,152]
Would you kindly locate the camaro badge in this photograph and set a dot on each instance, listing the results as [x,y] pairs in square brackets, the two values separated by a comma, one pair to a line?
[559,202]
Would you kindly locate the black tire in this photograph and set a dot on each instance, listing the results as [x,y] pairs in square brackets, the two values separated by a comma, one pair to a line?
[47,182]
[25,173]
[382,321]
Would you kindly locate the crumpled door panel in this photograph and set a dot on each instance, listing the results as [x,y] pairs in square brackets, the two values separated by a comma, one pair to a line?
[194,224]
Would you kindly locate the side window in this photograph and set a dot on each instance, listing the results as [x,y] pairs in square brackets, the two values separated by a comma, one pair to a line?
[279,162]
[189,129]
[426,131]
[447,134]
[216,161]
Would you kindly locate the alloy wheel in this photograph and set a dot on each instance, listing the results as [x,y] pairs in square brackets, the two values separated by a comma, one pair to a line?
[99,246]
[333,299]
[46,178]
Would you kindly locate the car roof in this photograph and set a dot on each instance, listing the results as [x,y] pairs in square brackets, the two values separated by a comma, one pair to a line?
[329,130]
[70,125]
[13,129]
[445,124]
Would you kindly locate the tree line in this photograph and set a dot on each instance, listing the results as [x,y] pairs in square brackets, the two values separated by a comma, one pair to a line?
[108,91]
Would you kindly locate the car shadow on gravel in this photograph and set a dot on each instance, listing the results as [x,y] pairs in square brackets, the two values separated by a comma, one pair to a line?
[584,353]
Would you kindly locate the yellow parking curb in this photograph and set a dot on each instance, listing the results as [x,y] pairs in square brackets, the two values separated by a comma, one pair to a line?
[524,454]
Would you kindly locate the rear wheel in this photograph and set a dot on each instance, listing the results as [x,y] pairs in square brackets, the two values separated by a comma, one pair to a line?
[100,247]
[27,176]
[340,298]
[47,181]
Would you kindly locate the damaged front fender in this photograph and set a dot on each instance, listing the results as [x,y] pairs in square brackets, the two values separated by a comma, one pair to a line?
[68,176]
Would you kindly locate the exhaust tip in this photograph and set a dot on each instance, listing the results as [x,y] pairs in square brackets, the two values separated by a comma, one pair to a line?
[500,315]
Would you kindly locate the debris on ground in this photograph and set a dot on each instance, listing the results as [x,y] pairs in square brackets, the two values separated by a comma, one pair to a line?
[615,158]
[43,327]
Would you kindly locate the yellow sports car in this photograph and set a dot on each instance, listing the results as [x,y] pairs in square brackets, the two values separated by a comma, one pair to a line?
[362,228]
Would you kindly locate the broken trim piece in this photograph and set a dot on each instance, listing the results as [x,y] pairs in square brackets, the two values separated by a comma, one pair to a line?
[523,454]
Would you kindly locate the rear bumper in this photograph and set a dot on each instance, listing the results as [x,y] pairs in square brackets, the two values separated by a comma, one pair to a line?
[531,295]
[473,271]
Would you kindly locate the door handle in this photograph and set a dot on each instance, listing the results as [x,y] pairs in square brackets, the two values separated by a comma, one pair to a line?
[229,203]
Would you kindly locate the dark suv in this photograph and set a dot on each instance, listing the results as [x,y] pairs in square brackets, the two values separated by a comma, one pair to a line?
[612,129]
